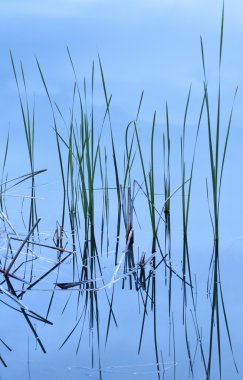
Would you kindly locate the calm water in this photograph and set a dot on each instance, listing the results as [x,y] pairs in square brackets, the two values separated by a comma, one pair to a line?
[118,357]
[141,324]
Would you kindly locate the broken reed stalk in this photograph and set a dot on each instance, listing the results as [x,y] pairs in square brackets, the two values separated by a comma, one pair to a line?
[21,247]
[55,248]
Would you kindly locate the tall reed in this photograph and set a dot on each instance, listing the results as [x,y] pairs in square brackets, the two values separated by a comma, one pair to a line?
[167,195]
[217,167]
[28,119]
[149,183]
